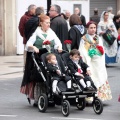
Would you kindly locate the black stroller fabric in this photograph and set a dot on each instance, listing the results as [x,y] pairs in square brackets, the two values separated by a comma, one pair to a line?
[31,73]
[62,85]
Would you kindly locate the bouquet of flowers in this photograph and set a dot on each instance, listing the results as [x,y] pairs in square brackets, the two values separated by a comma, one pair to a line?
[47,45]
[95,50]
[68,44]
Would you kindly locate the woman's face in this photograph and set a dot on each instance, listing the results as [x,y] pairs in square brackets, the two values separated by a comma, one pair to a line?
[92,29]
[106,15]
[45,24]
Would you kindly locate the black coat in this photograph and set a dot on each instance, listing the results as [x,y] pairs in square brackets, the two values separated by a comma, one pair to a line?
[31,26]
[52,69]
[60,27]
[73,67]
[75,36]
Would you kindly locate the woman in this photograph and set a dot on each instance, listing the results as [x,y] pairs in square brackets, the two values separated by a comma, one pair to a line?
[35,44]
[76,31]
[110,50]
[92,52]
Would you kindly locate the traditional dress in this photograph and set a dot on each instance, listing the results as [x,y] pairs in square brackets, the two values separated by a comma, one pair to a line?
[96,61]
[31,77]
[110,50]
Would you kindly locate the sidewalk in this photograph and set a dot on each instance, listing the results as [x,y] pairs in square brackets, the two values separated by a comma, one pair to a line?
[11,67]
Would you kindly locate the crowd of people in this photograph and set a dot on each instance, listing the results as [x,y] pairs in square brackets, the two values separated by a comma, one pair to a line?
[86,38]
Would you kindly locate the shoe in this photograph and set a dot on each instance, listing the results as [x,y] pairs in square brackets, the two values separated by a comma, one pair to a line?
[35,104]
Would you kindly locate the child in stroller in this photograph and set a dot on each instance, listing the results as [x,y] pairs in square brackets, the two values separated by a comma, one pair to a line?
[57,73]
[80,71]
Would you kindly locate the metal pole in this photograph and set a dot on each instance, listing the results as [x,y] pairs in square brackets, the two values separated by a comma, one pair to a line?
[48,5]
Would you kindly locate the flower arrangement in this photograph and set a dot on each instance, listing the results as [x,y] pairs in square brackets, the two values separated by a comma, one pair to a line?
[46,42]
[68,44]
[47,45]
[96,50]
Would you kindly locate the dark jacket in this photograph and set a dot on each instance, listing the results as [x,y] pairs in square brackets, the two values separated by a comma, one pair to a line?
[60,27]
[73,67]
[31,26]
[75,35]
[22,23]
[52,69]
[95,18]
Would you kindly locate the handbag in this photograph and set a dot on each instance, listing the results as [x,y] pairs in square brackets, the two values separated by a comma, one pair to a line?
[108,37]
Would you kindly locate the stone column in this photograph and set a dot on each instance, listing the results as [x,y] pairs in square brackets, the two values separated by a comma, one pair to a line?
[8,27]
[2,42]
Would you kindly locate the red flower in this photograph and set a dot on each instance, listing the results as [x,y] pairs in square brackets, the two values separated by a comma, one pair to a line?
[118,38]
[100,48]
[67,42]
[47,42]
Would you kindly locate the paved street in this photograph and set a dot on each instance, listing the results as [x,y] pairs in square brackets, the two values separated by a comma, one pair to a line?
[14,105]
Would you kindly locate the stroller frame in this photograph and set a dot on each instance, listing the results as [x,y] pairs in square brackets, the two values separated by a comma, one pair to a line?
[64,98]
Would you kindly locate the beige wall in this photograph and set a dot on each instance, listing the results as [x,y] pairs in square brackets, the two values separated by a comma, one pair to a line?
[8,20]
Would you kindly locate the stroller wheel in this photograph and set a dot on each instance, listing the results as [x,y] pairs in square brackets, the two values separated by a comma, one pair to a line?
[97,106]
[65,108]
[42,102]
[81,104]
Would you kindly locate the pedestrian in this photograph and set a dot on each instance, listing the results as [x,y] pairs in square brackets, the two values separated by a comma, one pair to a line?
[110,12]
[82,17]
[76,31]
[92,53]
[31,85]
[110,50]
[95,17]
[30,13]
[68,14]
[58,24]
[116,21]
[33,22]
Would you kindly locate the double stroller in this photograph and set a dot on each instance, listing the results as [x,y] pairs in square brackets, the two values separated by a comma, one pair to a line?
[64,98]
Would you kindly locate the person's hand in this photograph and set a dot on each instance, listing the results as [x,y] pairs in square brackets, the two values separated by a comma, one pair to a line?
[81,75]
[36,50]
[59,50]
[58,72]
[101,33]
[88,72]
[111,29]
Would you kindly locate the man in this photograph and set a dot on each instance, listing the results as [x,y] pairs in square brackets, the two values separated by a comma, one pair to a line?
[33,22]
[67,14]
[30,13]
[111,16]
[82,17]
[95,17]
[58,24]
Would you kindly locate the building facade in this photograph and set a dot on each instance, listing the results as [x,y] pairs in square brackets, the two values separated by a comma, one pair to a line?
[12,10]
